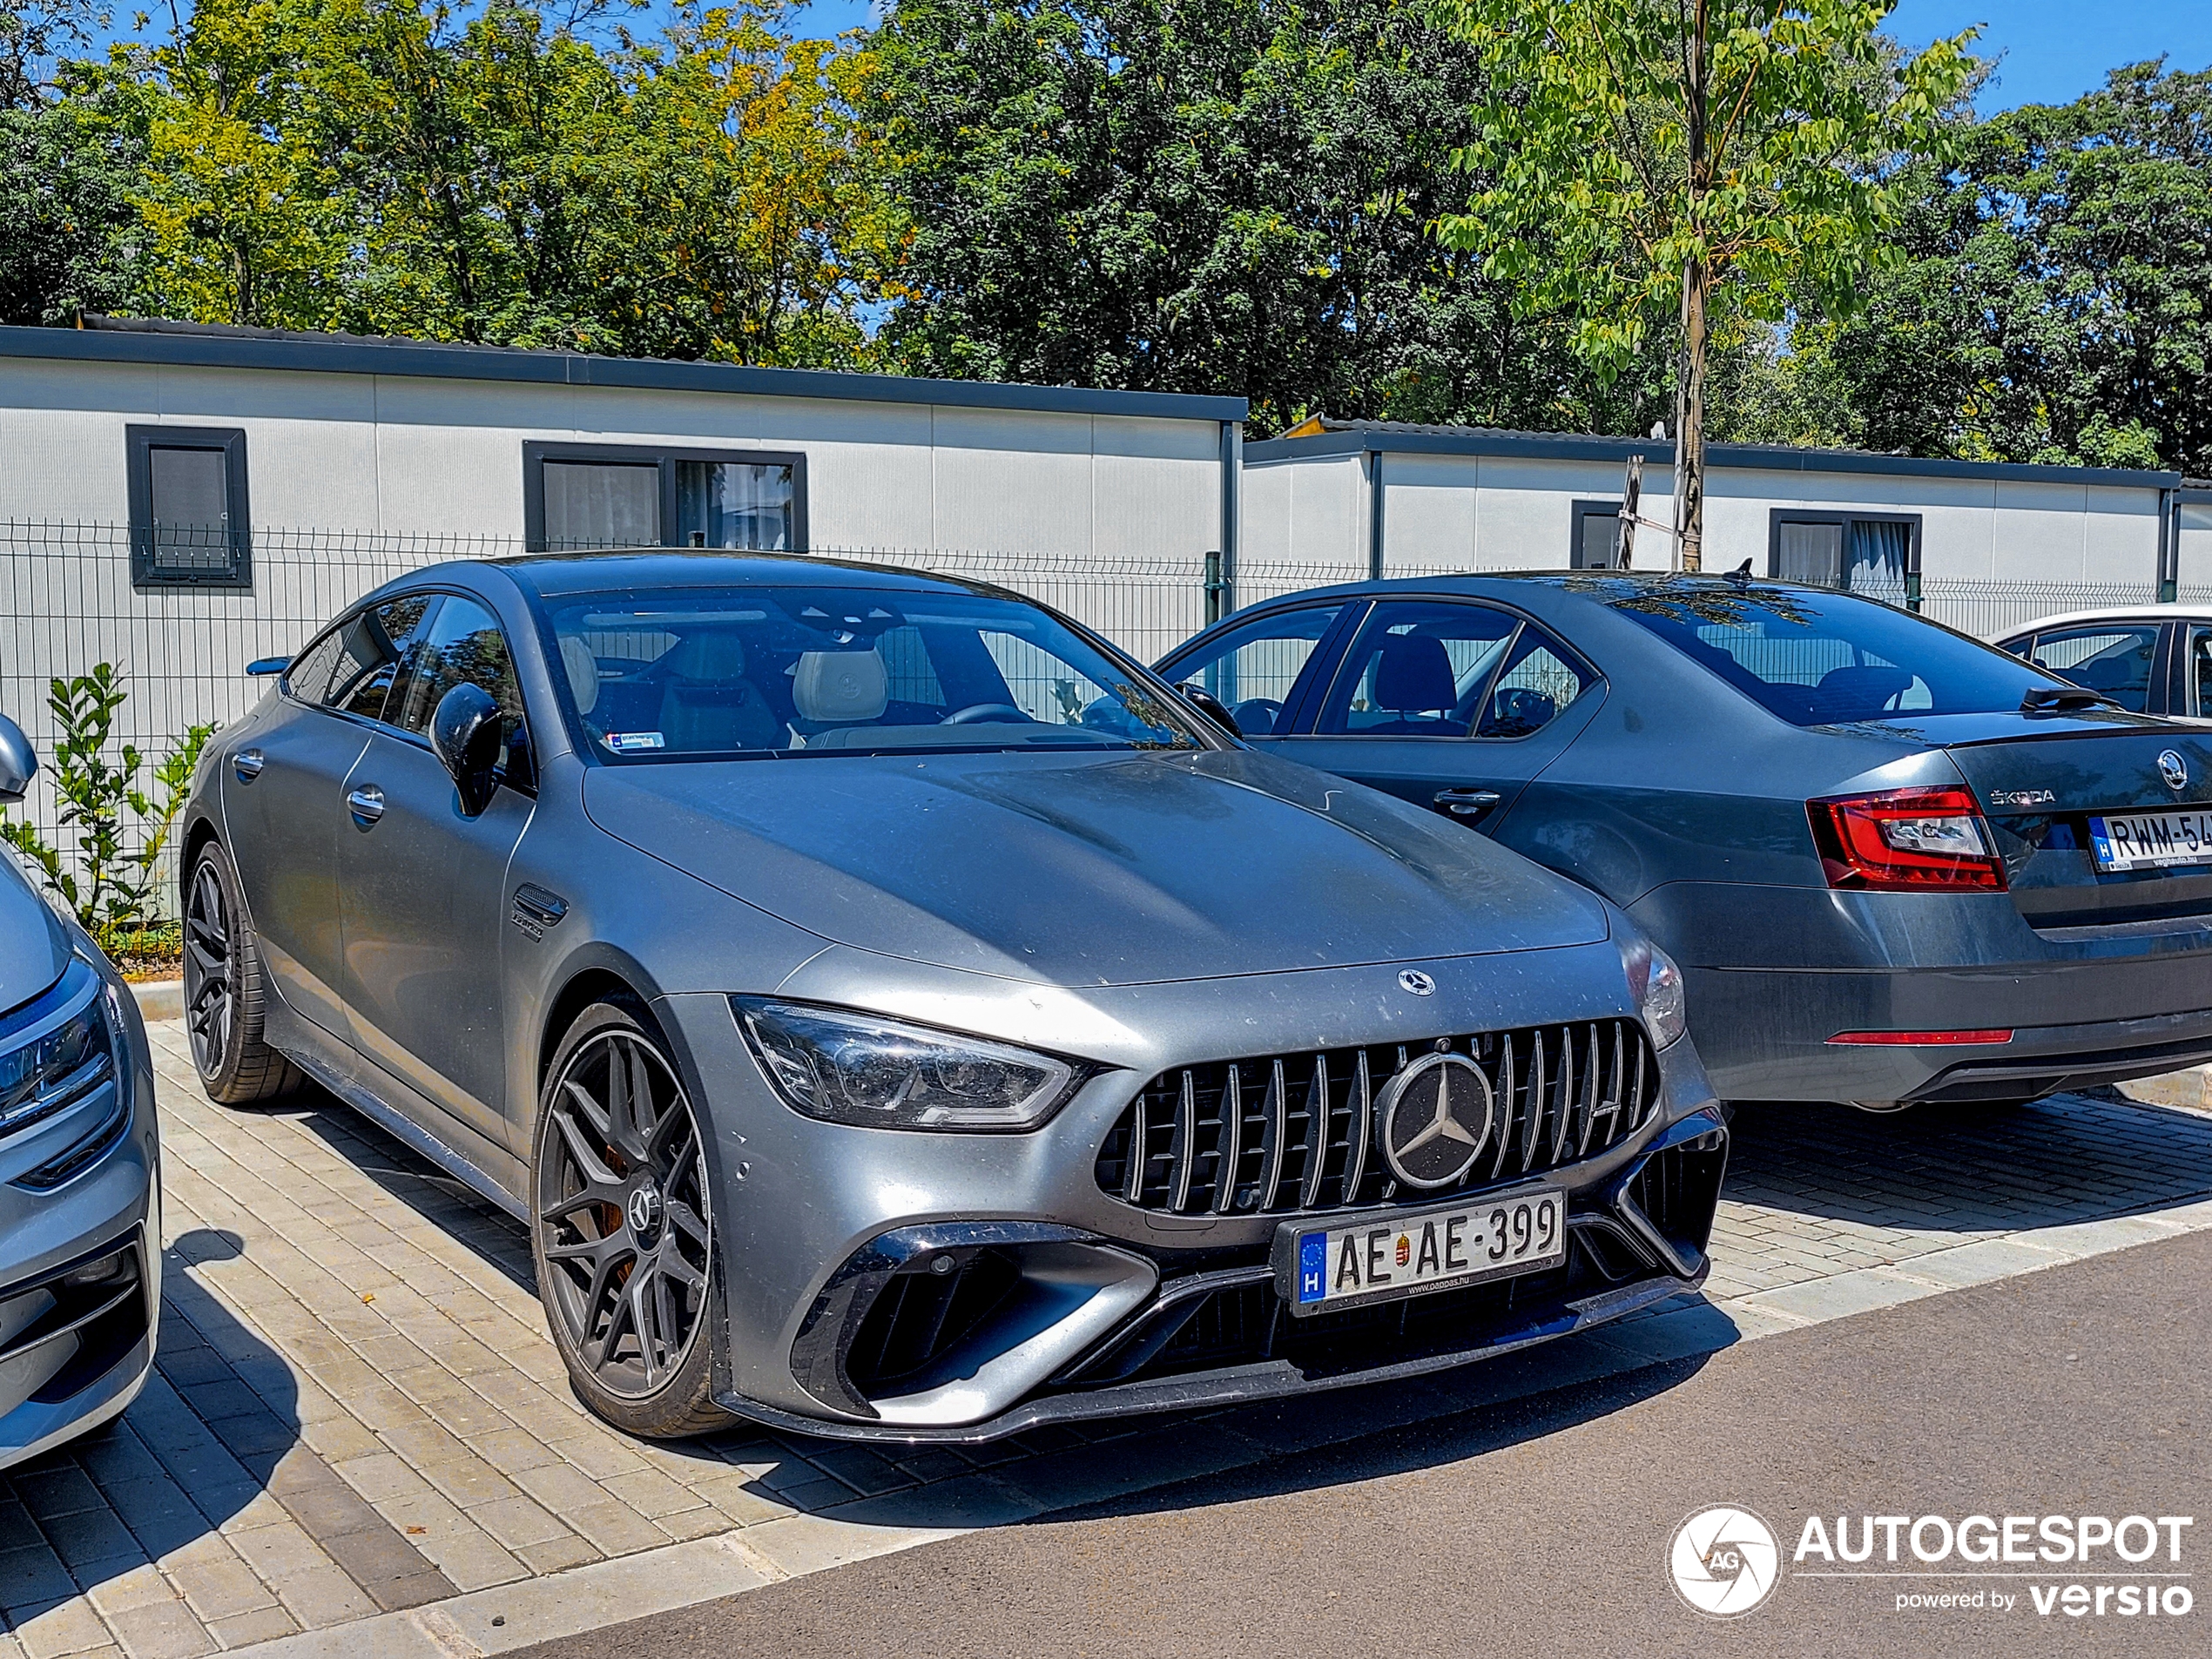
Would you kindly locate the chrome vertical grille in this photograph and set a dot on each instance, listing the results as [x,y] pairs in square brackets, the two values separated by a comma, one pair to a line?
[1278,1133]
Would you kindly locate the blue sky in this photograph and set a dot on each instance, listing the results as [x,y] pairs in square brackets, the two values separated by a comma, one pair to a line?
[2055,51]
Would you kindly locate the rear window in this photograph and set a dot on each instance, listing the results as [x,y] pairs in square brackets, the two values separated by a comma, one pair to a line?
[1821,659]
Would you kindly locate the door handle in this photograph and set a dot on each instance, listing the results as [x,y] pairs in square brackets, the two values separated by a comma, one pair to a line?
[247,763]
[366,805]
[1467,803]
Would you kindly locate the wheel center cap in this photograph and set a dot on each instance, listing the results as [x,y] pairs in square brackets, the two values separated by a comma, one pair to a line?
[643,1210]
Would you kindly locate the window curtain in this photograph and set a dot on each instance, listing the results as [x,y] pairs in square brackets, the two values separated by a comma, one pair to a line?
[1879,553]
[724,503]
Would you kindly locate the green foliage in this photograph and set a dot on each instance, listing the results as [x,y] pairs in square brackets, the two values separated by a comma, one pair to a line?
[2051,299]
[1598,187]
[110,886]
[401,166]
[1230,196]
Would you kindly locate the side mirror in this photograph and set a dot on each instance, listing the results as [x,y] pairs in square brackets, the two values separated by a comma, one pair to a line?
[262,667]
[19,761]
[465,732]
[1211,707]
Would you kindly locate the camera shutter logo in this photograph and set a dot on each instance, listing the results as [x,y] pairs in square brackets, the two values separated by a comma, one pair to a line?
[1725,1561]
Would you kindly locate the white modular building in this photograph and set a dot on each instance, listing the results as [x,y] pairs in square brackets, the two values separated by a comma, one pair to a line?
[1385,497]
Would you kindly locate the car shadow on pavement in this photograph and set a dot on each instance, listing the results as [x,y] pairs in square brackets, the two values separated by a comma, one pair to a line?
[1969,1171]
[192,1452]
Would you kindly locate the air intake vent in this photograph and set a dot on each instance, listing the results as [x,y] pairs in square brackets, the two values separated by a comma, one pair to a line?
[1290,1132]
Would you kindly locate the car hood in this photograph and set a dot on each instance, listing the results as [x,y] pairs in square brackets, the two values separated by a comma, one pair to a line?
[1090,868]
[33,948]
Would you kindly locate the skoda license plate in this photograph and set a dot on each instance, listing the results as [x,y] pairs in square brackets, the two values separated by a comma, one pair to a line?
[1382,1258]
[2152,840]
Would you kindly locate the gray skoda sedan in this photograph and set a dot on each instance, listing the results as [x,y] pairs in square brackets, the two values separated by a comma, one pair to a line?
[80,1228]
[895,1013]
[1896,865]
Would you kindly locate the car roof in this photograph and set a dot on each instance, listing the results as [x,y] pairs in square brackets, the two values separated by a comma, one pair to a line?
[2108,613]
[555,575]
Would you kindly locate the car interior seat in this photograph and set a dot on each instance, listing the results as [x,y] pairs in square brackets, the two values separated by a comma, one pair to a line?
[1861,692]
[1413,681]
[834,691]
[706,701]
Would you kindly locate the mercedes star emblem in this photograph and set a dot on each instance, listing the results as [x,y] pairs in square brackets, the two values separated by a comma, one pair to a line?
[1435,1116]
[2174,770]
[1414,979]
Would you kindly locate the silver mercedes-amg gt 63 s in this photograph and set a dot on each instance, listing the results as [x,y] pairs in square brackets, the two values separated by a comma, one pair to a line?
[895,1013]
[80,1226]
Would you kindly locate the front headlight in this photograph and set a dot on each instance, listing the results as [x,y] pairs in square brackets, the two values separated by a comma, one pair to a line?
[1657,984]
[848,1066]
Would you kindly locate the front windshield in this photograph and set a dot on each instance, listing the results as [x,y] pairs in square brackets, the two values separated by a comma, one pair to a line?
[1816,657]
[659,674]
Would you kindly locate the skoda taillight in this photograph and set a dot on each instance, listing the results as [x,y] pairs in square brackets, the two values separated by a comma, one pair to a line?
[1906,840]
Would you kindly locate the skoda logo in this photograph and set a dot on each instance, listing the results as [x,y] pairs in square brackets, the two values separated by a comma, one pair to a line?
[1416,982]
[1435,1118]
[2174,770]
[1724,1561]
[644,1208]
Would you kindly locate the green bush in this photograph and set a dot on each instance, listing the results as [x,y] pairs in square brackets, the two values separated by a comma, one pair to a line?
[109,885]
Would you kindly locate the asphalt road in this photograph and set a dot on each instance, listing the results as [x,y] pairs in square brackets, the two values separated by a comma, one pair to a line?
[1543,1528]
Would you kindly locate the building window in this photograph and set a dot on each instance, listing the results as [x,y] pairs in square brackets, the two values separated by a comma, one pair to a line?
[1597,545]
[1876,554]
[591,496]
[189,525]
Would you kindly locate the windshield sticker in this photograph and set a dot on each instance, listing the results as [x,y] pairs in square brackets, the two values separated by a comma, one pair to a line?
[625,742]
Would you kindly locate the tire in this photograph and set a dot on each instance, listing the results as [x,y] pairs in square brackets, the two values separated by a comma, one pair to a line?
[622,1230]
[227,990]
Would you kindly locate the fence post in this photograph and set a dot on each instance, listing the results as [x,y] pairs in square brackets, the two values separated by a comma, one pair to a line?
[1216,587]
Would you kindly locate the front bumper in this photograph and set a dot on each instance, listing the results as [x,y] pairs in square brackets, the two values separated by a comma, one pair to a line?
[1202,1337]
[80,1278]
[1102,1306]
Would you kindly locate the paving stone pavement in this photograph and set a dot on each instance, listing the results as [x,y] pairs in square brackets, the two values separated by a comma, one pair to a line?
[357,1409]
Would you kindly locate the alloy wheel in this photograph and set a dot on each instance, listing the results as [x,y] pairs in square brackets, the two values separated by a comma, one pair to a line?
[622,1214]
[210,997]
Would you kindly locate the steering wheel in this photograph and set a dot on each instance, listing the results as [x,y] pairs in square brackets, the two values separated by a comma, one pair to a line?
[1257,715]
[976,713]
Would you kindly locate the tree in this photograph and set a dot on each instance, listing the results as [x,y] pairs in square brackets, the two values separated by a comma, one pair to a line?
[69,157]
[2055,302]
[1635,158]
[1228,196]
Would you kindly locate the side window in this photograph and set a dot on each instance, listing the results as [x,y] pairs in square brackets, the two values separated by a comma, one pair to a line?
[462,645]
[308,678]
[371,644]
[1254,668]
[2200,672]
[2112,657]
[1538,681]
[1418,668]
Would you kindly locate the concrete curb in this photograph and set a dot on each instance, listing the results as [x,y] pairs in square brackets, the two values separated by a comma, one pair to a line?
[160,999]
[499,1620]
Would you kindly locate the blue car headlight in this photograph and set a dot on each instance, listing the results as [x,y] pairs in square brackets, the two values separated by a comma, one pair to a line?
[75,1063]
[845,1066]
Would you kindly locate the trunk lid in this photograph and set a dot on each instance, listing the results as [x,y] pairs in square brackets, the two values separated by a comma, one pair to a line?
[2041,778]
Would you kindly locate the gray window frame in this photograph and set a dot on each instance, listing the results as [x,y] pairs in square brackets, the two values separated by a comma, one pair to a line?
[536,454]
[1586,509]
[1844,518]
[139,442]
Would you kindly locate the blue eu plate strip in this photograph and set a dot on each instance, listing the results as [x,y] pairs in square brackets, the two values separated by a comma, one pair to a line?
[1312,1266]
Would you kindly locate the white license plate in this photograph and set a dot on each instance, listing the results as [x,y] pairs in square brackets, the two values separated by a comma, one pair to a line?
[1382,1258]
[2152,840]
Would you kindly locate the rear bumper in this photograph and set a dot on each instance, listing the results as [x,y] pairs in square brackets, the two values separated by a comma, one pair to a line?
[1781,1022]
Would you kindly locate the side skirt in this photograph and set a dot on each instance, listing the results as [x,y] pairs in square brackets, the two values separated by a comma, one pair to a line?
[407,1131]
